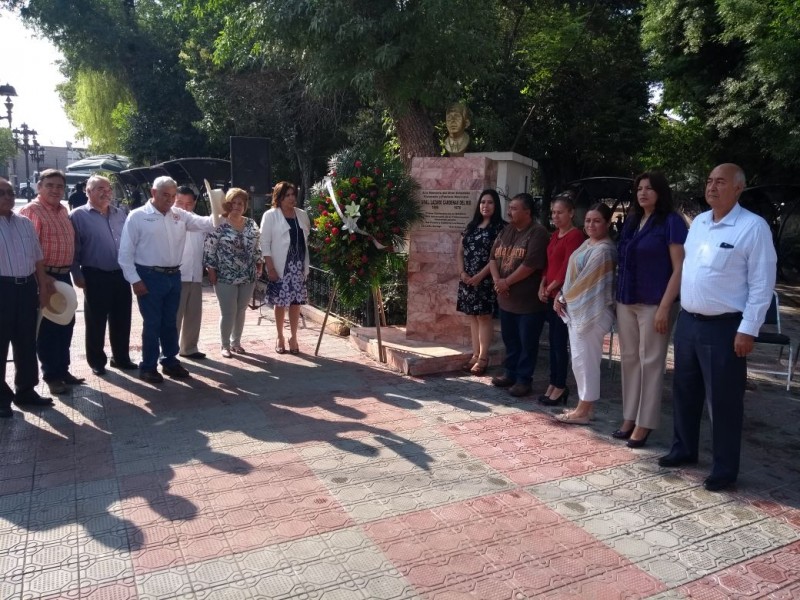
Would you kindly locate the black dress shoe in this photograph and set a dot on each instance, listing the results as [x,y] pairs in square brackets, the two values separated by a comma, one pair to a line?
[622,435]
[70,379]
[177,371]
[124,365]
[673,460]
[32,398]
[562,399]
[151,376]
[195,355]
[6,412]
[502,381]
[99,370]
[718,484]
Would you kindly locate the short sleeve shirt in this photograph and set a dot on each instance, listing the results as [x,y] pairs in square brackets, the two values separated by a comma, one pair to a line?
[513,248]
[645,265]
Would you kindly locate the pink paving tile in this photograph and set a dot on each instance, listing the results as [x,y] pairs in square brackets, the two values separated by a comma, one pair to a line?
[251,538]
[153,558]
[204,547]
[775,572]
[524,448]
[506,541]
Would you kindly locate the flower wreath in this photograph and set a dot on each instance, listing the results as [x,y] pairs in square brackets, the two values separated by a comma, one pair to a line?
[361,212]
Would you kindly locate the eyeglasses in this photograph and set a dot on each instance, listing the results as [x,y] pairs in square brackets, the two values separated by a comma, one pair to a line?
[9,193]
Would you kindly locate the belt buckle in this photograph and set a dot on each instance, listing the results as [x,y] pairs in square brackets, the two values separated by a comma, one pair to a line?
[20,280]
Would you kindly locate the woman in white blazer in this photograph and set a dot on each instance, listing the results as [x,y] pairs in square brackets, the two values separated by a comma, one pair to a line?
[284,244]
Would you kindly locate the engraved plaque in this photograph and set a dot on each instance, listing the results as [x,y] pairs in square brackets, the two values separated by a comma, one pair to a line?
[447,209]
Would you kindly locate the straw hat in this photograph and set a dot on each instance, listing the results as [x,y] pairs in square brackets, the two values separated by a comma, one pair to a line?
[62,305]
[216,197]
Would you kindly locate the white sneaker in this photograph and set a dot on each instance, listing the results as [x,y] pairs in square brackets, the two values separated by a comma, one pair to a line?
[226,352]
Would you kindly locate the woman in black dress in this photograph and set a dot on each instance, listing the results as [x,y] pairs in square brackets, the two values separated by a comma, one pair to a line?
[476,295]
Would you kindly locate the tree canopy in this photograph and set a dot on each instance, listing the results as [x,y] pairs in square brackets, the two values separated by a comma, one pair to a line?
[582,86]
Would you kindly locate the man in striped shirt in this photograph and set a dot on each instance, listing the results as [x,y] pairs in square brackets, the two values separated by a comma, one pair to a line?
[57,238]
[20,267]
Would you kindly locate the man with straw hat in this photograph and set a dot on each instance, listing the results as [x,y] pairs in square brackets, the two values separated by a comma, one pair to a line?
[57,238]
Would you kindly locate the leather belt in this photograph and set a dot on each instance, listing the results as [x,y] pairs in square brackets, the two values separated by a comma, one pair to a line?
[165,270]
[96,270]
[720,317]
[57,270]
[17,280]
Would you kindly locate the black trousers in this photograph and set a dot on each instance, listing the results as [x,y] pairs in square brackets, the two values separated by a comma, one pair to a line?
[708,371]
[18,306]
[107,299]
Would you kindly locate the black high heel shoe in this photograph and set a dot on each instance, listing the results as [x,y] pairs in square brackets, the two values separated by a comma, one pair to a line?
[562,399]
[639,443]
[619,434]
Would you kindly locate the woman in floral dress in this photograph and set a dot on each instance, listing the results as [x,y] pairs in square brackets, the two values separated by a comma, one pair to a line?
[232,255]
[284,244]
[476,295]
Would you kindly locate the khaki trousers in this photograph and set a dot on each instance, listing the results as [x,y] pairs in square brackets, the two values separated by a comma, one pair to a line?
[643,354]
[190,315]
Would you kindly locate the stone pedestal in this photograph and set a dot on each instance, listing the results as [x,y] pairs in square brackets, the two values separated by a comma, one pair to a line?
[449,188]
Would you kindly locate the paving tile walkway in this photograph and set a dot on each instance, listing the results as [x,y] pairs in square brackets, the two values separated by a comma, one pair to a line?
[267,476]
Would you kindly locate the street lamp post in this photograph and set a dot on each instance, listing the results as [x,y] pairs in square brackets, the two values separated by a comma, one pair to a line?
[37,153]
[8,91]
[26,147]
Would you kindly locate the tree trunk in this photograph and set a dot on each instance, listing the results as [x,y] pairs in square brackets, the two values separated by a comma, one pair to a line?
[415,133]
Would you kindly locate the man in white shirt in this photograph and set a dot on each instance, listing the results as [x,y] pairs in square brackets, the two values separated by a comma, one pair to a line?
[726,288]
[150,255]
[190,309]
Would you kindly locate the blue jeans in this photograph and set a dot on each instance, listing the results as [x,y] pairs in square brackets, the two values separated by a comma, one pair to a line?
[53,342]
[159,309]
[521,338]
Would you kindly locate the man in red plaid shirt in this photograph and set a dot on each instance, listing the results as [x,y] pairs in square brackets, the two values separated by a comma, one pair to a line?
[57,238]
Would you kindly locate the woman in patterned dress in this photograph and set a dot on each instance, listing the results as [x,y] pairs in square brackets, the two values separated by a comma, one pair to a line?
[284,244]
[476,295]
[232,255]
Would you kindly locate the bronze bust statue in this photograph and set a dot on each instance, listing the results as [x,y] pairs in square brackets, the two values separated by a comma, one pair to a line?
[457,120]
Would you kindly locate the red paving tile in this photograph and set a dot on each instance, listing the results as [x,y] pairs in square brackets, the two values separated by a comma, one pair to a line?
[499,539]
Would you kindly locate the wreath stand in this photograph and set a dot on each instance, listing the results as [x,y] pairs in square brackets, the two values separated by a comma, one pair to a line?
[380,321]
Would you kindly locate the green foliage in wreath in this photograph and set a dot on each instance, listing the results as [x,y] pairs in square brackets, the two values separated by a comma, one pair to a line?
[378,195]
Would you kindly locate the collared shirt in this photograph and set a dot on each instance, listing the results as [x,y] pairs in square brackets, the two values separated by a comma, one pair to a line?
[155,240]
[645,264]
[55,232]
[730,266]
[192,261]
[97,237]
[19,247]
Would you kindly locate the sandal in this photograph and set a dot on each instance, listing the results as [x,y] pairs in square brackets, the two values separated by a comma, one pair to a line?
[467,366]
[279,348]
[296,349]
[238,349]
[479,368]
[570,419]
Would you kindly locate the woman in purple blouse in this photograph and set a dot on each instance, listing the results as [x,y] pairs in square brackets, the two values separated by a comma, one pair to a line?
[650,253]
